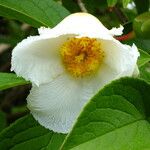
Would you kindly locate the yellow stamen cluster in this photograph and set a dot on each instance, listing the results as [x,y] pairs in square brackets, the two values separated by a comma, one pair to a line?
[82,56]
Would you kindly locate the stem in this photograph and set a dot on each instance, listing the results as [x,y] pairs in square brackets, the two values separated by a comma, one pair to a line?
[123,19]
[82,6]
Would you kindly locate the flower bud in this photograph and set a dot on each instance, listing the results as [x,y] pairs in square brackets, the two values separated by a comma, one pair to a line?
[141,25]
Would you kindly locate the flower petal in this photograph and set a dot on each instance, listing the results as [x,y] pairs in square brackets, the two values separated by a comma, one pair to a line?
[82,24]
[37,58]
[44,30]
[93,84]
[121,58]
[136,71]
[103,77]
[57,104]
[114,66]
[120,61]
[116,31]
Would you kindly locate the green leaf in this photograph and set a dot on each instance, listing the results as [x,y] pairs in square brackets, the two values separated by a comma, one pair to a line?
[36,13]
[2,120]
[98,5]
[141,25]
[143,59]
[71,5]
[27,134]
[8,80]
[116,118]
[145,72]
[126,2]
[111,3]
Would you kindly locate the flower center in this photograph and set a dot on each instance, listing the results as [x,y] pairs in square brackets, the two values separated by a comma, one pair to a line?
[82,56]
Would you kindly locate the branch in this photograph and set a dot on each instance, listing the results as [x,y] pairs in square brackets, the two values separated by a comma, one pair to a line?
[81,5]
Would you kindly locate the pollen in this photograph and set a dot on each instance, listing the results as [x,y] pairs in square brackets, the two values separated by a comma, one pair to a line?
[82,56]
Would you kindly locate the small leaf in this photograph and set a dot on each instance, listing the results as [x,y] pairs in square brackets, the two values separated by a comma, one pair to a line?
[27,134]
[116,118]
[144,58]
[98,5]
[36,13]
[8,80]
[71,5]
[125,3]
[111,3]
[141,25]
[145,72]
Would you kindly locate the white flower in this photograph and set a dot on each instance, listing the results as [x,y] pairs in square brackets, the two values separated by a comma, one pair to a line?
[68,64]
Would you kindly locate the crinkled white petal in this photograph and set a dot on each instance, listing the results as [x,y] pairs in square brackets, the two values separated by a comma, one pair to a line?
[44,30]
[92,84]
[37,58]
[116,31]
[136,71]
[82,24]
[57,104]
[121,58]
